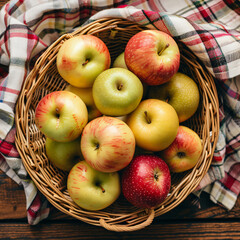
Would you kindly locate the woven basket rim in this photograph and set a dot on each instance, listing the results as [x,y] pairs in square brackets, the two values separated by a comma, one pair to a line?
[34,158]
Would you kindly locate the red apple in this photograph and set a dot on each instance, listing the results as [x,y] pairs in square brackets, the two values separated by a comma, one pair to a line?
[61,116]
[107,144]
[81,59]
[146,181]
[153,56]
[184,151]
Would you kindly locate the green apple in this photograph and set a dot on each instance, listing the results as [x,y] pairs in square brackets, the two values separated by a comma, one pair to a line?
[86,95]
[63,155]
[154,124]
[181,92]
[117,92]
[184,152]
[120,61]
[91,189]
[61,116]
[81,59]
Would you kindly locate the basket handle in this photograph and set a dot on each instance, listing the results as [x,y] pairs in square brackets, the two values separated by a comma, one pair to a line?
[124,228]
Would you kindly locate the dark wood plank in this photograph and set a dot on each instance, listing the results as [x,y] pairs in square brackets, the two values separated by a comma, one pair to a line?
[2,2]
[13,205]
[162,230]
[12,199]
[193,207]
[188,209]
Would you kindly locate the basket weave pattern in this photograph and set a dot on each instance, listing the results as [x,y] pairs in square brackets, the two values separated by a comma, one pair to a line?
[30,142]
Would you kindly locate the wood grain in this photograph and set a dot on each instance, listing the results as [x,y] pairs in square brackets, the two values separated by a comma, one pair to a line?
[162,230]
[2,2]
[13,205]
[12,199]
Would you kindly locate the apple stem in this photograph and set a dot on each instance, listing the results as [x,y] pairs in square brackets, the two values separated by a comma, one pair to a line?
[181,154]
[103,190]
[120,86]
[86,61]
[166,46]
[97,146]
[57,112]
[147,117]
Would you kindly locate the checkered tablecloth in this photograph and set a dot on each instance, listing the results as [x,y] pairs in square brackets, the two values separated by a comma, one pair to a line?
[211,29]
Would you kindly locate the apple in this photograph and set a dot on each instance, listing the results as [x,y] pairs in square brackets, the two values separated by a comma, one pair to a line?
[146,181]
[61,116]
[86,95]
[153,56]
[81,59]
[107,144]
[184,151]
[123,118]
[91,189]
[154,124]
[63,155]
[117,92]
[120,61]
[181,92]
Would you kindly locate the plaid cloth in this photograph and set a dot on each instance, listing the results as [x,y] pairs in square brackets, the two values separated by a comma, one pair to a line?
[211,29]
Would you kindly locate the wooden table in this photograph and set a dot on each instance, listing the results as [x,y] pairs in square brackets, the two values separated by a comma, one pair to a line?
[187,221]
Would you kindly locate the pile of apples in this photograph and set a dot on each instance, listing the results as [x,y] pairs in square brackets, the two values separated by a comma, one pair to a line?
[116,128]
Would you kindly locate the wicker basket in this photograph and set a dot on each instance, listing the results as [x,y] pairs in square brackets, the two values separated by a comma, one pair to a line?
[44,78]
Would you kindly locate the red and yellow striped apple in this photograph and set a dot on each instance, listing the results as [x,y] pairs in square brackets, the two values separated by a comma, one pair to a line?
[184,151]
[107,144]
[91,189]
[154,124]
[153,56]
[81,59]
[61,116]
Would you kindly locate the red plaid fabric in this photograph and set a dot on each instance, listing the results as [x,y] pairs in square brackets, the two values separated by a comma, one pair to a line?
[209,28]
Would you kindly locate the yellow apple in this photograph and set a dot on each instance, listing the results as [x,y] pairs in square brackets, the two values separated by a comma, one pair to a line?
[154,124]
[120,61]
[86,95]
